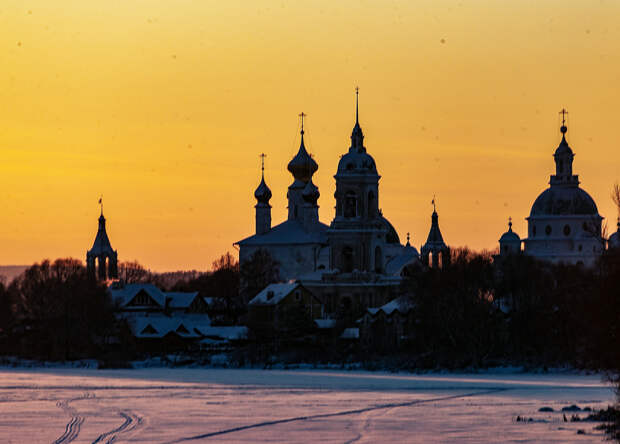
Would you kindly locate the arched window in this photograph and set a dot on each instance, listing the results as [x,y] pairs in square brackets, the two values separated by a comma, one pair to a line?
[350,204]
[347,259]
[566,230]
[548,230]
[378,260]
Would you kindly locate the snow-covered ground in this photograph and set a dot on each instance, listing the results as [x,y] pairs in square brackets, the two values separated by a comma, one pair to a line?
[158,405]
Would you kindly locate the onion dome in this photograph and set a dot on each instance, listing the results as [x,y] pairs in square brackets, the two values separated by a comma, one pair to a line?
[302,166]
[311,193]
[262,193]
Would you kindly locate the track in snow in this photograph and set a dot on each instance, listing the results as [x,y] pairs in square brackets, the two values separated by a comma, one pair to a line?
[132,422]
[330,415]
[72,429]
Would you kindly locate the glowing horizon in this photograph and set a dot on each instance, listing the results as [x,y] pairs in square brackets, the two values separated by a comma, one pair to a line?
[164,109]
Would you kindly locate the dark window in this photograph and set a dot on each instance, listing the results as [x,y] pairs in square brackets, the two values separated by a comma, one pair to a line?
[350,204]
[566,230]
[347,259]
[548,230]
[378,260]
[585,226]
[534,230]
[580,247]
[371,203]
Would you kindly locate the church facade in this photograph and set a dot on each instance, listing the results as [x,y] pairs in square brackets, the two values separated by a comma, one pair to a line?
[356,261]
[564,224]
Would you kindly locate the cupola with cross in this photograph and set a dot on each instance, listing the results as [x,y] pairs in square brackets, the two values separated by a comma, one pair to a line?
[262,195]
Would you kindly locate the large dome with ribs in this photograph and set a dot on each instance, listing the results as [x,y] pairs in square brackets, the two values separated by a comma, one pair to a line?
[564,201]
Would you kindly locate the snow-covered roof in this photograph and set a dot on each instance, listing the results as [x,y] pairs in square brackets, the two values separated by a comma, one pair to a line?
[124,295]
[350,333]
[325,323]
[180,300]
[289,232]
[407,255]
[272,294]
[402,304]
[160,326]
[223,332]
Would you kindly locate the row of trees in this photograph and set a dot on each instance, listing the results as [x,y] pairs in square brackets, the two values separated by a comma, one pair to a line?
[475,310]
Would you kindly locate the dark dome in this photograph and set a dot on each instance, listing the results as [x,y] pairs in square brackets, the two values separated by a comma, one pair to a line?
[262,193]
[392,236]
[357,161]
[310,193]
[564,201]
[302,166]
[510,236]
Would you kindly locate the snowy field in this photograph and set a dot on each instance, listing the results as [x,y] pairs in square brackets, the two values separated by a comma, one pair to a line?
[279,406]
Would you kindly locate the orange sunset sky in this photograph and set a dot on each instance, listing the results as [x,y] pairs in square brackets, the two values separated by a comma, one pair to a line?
[164,107]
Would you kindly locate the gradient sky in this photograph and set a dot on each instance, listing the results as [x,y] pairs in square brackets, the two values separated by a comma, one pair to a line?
[164,106]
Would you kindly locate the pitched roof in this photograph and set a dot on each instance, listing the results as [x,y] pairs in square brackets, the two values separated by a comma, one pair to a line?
[402,304]
[180,299]
[160,326]
[407,256]
[124,295]
[102,242]
[289,232]
[272,294]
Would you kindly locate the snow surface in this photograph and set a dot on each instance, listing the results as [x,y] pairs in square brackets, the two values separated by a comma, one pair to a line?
[159,405]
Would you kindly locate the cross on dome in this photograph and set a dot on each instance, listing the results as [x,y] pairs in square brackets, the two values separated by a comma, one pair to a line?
[563,128]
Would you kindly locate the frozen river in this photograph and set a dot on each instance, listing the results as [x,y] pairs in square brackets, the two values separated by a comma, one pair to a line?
[279,406]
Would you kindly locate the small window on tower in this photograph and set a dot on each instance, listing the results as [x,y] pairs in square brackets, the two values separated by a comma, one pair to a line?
[534,230]
[566,230]
[548,230]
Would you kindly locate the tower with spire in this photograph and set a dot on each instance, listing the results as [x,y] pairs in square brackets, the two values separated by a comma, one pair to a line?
[358,233]
[102,259]
[435,252]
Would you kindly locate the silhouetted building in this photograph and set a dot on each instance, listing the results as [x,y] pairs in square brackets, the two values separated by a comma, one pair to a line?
[299,243]
[510,242]
[435,252]
[102,259]
[354,263]
[564,224]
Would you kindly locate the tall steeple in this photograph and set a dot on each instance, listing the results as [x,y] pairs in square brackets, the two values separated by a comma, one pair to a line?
[357,136]
[262,195]
[435,245]
[102,259]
